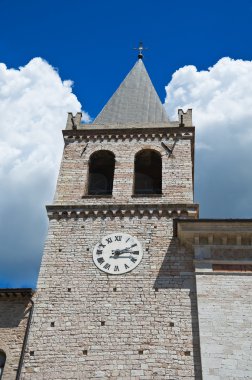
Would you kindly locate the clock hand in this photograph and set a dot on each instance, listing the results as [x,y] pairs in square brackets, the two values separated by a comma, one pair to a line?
[128,248]
[120,257]
[120,251]
[133,245]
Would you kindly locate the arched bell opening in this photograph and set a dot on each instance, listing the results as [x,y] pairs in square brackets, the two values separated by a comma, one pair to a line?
[101,173]
[148,172]
[2,362]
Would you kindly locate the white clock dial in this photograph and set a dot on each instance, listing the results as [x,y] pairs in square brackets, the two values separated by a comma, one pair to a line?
[117,253]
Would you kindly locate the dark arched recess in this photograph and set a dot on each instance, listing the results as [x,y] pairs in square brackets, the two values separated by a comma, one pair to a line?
[148,172]
[101,173]
[2,362]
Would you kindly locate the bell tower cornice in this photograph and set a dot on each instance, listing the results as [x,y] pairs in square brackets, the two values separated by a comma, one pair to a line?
[130,131]
[123,210]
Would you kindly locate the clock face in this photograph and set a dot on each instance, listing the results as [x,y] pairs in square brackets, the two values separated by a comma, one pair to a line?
[117,253]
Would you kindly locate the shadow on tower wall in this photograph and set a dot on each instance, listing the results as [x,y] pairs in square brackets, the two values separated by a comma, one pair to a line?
[176,274]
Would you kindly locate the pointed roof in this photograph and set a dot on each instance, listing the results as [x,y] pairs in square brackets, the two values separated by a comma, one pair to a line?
[135,101]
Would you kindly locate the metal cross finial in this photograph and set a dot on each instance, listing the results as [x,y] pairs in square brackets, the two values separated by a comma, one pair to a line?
[140,50]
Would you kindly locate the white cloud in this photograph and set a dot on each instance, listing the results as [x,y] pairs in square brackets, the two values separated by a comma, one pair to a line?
[34,102]
[221,98]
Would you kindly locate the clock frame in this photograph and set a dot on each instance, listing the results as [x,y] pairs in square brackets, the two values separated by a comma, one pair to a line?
[117,253]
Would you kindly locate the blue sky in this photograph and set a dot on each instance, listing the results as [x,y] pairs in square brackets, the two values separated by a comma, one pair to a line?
[84,50]
[91,41]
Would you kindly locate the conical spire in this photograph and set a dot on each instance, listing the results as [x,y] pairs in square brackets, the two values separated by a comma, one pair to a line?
[135,101]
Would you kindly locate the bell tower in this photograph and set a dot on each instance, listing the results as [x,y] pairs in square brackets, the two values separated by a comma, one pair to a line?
[116,294]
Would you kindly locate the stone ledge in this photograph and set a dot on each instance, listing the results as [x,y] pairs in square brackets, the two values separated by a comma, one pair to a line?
[215,232]
[96,196]
[146,196]
[125,210]
[219,273]
[225,261]
[125,134]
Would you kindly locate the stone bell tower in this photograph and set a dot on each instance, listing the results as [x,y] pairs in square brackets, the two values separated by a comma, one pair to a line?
[116,292]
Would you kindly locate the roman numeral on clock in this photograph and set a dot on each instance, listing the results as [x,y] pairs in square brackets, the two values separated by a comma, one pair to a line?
[118,238]
[100,260]
[99,251]
[135,252]
[116,268]
[107,266]
[133,259]
[109,240]
[126,266]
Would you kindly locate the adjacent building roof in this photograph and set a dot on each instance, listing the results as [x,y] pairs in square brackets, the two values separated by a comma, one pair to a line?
[135,101]
[16,291]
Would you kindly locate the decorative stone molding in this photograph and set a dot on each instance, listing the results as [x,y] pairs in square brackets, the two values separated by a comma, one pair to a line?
[111,210]
[220,246]
[210,232]
[146,132]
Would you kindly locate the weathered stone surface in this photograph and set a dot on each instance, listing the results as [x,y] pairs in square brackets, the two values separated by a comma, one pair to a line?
[223,294]
[225,304]
[177,171]
[138,339]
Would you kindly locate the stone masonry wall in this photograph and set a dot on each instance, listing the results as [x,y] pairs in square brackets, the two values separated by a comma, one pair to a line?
[225,322]
[14,311]
[177,184]
[149,315]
